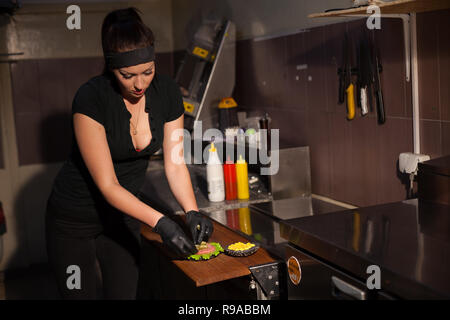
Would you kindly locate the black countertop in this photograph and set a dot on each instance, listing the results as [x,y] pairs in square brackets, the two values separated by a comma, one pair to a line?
[260,222]
[409,241]
[437,166]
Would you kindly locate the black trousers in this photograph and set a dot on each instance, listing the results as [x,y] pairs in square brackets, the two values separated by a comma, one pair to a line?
[78,250]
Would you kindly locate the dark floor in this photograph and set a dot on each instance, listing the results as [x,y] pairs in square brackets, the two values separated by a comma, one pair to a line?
[32,283]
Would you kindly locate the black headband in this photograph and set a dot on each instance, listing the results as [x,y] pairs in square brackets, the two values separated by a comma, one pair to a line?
[115,60]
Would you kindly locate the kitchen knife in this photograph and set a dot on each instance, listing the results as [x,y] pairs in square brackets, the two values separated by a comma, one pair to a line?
[379,93]
[350,88]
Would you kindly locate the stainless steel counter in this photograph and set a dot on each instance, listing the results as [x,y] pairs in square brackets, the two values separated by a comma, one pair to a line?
[297,207]
[156,191]
[260,222]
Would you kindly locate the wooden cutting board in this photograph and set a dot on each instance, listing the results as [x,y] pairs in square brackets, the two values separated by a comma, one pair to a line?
[217,269]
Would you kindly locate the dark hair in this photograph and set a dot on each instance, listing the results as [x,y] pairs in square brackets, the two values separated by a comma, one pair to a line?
[123,30]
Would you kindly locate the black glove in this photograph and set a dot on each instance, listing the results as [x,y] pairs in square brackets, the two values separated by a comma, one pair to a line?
[173,236]
[201,227]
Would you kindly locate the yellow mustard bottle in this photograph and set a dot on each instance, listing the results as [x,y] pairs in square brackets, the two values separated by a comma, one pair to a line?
[242,179]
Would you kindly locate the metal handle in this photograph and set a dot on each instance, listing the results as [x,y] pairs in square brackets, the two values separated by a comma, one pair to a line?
[364,109]
[380,107]
[347,289]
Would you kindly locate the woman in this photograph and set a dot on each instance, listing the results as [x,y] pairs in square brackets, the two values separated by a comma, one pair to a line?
[120,118]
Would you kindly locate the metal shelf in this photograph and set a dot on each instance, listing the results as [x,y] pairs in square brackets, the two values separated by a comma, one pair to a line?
[394,7]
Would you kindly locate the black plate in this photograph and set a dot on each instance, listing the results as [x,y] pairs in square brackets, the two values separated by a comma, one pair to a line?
[242,253]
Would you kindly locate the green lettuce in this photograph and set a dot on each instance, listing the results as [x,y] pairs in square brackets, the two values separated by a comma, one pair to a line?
[208,256]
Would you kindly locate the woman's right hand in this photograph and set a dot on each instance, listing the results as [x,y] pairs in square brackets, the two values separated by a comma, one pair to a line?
[173,236]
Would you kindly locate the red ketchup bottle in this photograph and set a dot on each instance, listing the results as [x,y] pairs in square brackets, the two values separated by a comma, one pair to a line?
[229,173]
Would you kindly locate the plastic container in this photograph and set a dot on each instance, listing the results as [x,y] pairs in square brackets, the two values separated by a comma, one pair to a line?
[214,176]
[227,114]
[242,179]
[229,172]
[264,125]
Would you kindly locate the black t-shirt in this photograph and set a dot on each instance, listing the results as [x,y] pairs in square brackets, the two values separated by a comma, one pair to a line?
[74,192]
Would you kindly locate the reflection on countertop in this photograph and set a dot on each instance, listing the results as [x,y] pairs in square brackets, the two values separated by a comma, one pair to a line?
[260,222]
[408,240]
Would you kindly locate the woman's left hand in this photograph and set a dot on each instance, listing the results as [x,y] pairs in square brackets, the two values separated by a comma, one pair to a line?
[201,228]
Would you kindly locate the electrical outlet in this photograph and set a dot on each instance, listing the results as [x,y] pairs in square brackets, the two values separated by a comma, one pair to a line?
[408,162]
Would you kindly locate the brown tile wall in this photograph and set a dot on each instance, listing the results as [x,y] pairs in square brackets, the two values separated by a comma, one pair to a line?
[434,82]
[42,95]
[352,161]
[2,164]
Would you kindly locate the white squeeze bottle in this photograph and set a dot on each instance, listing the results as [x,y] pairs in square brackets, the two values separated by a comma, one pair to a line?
[214,176]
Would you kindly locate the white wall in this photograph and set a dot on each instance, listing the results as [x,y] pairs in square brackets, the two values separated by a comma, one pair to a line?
[253,18]
[40,31]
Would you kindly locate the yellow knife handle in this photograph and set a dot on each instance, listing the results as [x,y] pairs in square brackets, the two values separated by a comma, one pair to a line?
[350,101]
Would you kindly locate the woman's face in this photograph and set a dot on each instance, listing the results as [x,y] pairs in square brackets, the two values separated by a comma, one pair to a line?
[134,80]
